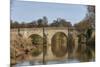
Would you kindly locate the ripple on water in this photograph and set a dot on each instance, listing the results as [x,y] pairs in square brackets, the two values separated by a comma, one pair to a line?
[30,63]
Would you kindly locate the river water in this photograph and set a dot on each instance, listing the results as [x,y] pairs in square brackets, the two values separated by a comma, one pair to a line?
[31,63]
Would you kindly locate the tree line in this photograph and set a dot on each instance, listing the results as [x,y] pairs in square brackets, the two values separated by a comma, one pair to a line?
[40,23]
[88,21]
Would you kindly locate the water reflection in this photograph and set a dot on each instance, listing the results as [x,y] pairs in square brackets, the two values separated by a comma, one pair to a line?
[79,56]
[30,63]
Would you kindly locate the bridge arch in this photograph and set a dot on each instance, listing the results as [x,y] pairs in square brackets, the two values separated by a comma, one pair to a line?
[37,42]
[59,44]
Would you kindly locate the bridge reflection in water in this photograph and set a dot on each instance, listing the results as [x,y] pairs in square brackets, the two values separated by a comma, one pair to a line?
[61,48]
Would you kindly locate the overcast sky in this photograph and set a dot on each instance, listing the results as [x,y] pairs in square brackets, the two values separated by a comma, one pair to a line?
[30,11]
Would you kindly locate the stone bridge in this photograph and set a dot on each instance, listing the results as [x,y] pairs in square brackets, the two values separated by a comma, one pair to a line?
[50,32]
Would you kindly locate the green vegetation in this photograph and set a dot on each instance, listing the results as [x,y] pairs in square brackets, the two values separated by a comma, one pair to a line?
[86,28]
[36,39]
[88,21]
[37,42]
[86,49]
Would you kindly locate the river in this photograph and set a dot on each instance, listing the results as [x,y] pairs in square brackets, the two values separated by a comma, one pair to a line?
[30,63]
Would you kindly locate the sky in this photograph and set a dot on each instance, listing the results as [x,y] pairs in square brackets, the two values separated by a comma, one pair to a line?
[27,11]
